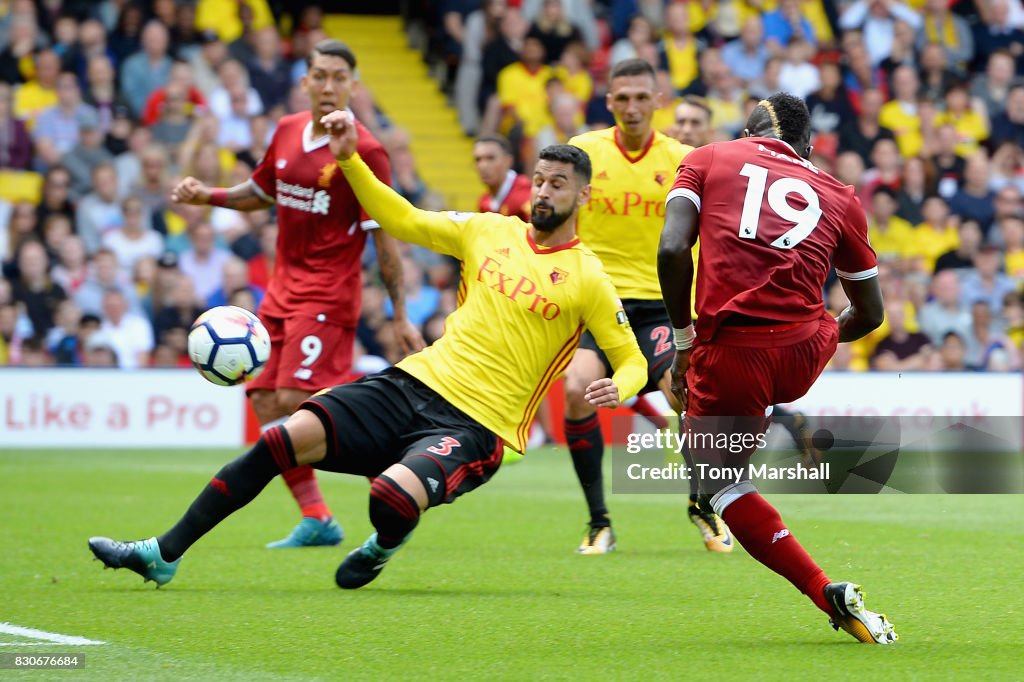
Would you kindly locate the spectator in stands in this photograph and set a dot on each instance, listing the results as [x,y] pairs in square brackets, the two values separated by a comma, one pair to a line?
[572,71]
[191,99]
[901,114]
[784,24]
[100,210]
[554,30]
[565,123]
[126,36]
[970,124]
[890,235]
[22,40]
[234,79]
[129,335]
[962,257]
[949,30]
[876,20]
[747,55]
[677,49]
[944,313]
[797,75]
[92,43]
[147,69]
[1007,206]
[421,299]
[952,354]
[134,239]
[903,52]
[935,74]
[914,188]
[23,226]
[269,73]
[974,200]
[1009,125]
[997,32]
[101,90]
[1011,231]
[62,340]
[207,61]
[404,177]
[87,154]
[935,234]
[34,289]
[204,262]
[901,350]
[986,282]
[988,348]
[639,34]
[58,127]
[481,27]
[71,270]
[886,168]
[862,133]
[104,274]
[522,88]
[992,87]
[175,117]
[178,305]
[236,276]
[15,143]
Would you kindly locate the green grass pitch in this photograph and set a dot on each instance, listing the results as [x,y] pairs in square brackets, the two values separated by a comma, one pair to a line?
[489,588]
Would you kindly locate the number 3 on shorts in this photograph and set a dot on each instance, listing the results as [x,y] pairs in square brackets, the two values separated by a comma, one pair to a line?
[311,346]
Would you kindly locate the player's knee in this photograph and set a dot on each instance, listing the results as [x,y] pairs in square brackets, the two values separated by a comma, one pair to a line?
[264,404]
[393,511]
[576,389]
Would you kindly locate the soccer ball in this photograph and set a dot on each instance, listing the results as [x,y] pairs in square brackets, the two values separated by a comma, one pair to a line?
[228,345]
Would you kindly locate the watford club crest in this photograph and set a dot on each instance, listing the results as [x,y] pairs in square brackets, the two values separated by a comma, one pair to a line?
[660,177]
[558,275]
[326,173]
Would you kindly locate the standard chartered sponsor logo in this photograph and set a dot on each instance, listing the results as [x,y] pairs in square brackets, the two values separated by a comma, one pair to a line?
[303,198]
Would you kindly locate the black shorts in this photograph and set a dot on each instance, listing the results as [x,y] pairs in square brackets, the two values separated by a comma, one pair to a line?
[653,330]
[392,417]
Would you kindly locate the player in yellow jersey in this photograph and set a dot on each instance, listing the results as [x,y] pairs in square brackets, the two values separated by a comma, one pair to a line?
[634,167]
[435,426]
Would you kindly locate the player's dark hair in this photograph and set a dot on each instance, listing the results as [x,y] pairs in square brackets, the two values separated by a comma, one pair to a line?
[332,48]
[783,117]
[567,153]
[499,140]
[884,189]
[632,67]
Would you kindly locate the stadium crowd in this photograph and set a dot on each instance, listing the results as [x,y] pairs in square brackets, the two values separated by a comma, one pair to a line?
[104,105]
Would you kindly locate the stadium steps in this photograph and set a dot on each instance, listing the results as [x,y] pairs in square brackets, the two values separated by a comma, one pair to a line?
[402,87]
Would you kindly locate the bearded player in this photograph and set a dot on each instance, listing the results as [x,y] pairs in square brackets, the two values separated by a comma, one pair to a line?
[771,227]
[434,427]
[633,167]
[313,302]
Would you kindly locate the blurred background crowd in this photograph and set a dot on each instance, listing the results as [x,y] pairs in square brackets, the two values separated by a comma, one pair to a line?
[105,105]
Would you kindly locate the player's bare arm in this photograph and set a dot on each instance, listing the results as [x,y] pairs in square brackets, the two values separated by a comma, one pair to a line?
[865,312]
[390,263]
[241,197]
[675,272]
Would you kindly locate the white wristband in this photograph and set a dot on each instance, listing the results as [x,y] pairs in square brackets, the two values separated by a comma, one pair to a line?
[684,337]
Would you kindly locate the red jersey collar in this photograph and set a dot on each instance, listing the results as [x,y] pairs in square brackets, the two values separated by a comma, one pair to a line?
[626,153]
[544,250]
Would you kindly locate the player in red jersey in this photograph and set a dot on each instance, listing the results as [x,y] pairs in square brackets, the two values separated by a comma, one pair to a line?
[508,192]
[313,302]
[762,334]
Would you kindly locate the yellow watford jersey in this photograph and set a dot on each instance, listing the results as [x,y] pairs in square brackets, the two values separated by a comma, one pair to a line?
[623,222]
[524,309]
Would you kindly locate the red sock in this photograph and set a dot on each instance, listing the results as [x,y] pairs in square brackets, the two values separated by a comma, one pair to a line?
[644,408]
[759,528]
[306,492]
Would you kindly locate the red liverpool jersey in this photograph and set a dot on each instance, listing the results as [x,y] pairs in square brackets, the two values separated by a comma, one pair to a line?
[512,199]
[771,226]
[321,227]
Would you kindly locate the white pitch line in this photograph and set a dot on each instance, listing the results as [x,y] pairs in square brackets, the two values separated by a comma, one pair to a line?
[32,633]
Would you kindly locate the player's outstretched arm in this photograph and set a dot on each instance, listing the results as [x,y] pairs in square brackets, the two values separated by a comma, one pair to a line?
[675,272]
[606,320]
[865,312]
[397,217]
[241,197]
